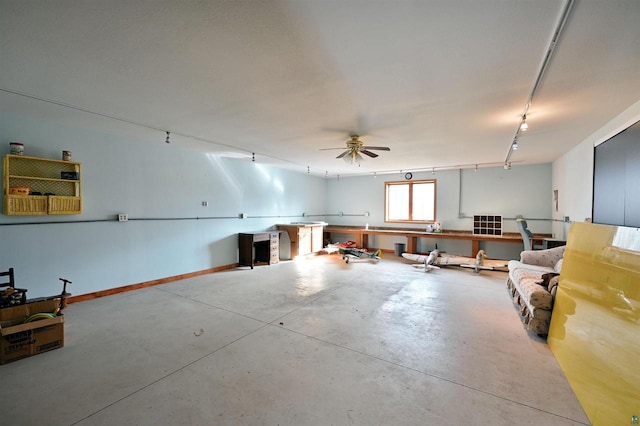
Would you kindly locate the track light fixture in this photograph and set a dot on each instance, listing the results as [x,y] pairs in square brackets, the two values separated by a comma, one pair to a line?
[566,11]
[470,166]
[167,139]
[514,145]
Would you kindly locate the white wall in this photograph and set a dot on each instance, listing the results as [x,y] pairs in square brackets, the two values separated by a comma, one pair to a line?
[523,190]
[573,178]
[146,181]
[573,173]
[159,181]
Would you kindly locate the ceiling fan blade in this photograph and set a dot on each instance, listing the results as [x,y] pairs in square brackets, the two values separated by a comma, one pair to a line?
[369,153]
[379,148]
[329,149]
[343,154]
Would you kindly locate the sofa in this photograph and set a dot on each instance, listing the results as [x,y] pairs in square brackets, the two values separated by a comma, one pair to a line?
[532,282]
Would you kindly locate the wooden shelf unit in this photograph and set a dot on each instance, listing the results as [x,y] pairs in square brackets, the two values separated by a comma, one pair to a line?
[58,196]
[487,224]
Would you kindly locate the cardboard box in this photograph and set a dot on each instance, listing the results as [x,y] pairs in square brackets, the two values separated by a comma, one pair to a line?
[19,340]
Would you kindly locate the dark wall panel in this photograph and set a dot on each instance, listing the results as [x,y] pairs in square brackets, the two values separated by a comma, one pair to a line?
[632,170]
[616,179]
[608,184]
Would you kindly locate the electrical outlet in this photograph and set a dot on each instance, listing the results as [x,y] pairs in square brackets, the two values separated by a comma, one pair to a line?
[205,203]
[243,215]
[123,217]
[304,215]
[566,219]
[366,214]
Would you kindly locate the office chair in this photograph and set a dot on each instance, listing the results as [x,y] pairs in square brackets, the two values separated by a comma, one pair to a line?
[527,236]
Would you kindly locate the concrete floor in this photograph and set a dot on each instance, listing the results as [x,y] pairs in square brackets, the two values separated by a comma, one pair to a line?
[307,342]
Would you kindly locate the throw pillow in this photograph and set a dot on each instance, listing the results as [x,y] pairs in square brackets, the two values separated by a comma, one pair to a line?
[558,266]
[546,278]
[553,285]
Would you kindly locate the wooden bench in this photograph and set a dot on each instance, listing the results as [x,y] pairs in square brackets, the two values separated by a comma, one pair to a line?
[361,236]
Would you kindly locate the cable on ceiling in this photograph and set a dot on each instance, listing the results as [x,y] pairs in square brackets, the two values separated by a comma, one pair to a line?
[166,132]
[545,64]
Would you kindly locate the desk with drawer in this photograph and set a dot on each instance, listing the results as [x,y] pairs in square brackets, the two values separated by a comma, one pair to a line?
[258,247]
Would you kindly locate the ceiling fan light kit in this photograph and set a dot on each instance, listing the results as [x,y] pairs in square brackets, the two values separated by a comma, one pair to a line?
[355,147]
[353,157]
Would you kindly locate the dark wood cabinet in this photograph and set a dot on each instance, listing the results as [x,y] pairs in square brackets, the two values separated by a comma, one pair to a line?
[548,243]
[256,247]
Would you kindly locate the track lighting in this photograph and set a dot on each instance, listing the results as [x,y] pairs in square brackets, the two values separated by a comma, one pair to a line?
[475,167]
[514,145]
[523,125]
[545,64]
[167,139]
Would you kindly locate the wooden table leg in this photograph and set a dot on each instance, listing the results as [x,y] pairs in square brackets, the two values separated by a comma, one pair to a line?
[475,247]
[364,238]
[412,244]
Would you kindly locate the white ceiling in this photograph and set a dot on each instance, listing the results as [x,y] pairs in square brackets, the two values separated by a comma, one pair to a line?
[442,83]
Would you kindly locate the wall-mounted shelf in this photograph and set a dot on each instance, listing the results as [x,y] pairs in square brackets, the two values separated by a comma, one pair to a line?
[487,224]
[53,194]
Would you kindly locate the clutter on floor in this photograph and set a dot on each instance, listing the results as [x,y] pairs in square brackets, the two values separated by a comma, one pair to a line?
[335,247]
[29,327]
[10,295]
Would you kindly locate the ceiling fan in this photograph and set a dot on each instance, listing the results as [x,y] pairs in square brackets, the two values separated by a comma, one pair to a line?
[355,147]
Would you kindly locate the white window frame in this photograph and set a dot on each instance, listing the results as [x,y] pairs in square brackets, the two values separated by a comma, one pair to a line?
[409,184]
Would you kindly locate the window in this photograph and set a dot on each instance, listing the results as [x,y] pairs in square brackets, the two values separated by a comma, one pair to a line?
[410,201]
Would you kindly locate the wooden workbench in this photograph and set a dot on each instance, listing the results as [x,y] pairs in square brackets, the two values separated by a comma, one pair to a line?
[362,236]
